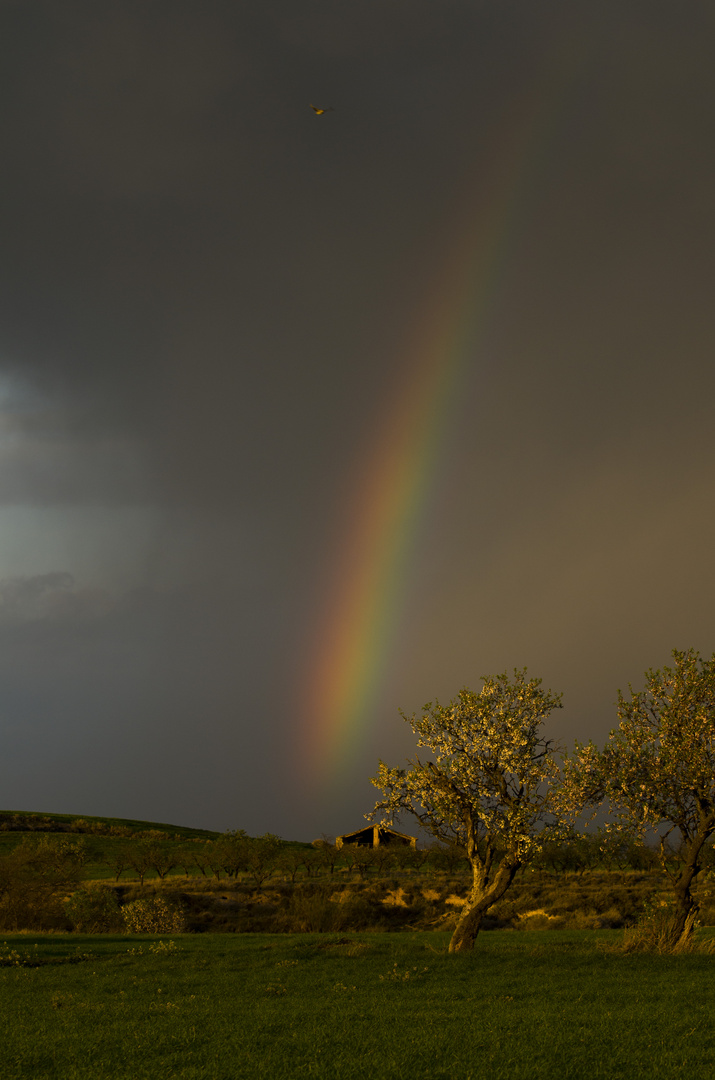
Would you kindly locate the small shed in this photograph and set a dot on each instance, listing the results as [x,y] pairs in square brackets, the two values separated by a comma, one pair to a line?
[375,836]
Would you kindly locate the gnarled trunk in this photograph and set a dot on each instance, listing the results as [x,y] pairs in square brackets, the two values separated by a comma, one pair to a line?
[686,906]
[467,928]
[480,899]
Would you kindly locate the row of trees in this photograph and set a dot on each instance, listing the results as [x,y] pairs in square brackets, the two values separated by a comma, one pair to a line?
[488,781]
[41,888]
[58,860]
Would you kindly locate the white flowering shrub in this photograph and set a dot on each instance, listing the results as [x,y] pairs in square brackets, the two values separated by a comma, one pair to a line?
[153,915]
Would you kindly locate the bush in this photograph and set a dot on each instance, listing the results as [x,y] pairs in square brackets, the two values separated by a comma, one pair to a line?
[34,879]
[314,915]
[153,916]
[94,909]
[316,912]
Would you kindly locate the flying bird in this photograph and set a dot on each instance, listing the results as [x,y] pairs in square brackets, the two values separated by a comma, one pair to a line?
[319,112]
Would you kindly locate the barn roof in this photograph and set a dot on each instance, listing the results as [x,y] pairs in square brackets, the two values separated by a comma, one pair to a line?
[374,834]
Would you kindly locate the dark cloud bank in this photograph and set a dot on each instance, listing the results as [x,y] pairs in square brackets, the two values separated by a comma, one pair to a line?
[203,294]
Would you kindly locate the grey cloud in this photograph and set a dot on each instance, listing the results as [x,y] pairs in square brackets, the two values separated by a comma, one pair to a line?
[52,598]
[33,597]
[54,452]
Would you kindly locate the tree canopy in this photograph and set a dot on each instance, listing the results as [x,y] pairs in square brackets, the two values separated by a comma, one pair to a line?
[657,771]
[489,782]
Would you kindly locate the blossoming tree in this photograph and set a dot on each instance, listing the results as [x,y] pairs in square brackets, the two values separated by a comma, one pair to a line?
[490,783]
[657,771]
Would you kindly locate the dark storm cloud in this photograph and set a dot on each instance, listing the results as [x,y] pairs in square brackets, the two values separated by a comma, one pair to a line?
[204,294]
[55,452]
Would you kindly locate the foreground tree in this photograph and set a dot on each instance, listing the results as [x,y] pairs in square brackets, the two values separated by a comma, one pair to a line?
[491,785]
[657,771]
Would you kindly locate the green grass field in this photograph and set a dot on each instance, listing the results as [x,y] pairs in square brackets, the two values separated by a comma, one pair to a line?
[547,1005]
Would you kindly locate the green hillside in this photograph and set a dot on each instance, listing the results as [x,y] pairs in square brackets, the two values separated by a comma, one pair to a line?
[14,821]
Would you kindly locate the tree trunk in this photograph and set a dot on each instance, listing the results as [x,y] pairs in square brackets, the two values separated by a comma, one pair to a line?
[466,930]
[685,910]
[686,907]
[480,899]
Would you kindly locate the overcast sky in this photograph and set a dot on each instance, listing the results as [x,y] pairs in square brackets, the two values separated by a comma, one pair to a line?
[210,300]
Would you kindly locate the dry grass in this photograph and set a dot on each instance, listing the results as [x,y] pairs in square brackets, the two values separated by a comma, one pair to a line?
[655,932]
[537,900]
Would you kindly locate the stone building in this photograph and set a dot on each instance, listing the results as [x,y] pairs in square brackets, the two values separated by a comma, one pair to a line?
[374,836]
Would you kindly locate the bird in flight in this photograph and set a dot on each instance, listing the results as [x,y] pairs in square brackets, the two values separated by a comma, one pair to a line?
[319,112]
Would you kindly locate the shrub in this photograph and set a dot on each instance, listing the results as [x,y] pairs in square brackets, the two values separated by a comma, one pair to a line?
[653,932]
[34,879]
[538,920]
[153,915]
[314,914]
[318,913]
[94,910]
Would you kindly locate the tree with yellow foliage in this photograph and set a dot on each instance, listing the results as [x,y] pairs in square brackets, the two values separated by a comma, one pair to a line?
[657,772]
[488,782]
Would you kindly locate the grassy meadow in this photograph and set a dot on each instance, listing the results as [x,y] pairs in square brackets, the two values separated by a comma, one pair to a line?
[527,1005]
[333,968]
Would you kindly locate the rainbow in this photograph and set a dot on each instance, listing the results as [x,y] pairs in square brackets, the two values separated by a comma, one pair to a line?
[371,573]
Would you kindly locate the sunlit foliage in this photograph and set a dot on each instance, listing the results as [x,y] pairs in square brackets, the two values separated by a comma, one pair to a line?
[657,771]
[488,782]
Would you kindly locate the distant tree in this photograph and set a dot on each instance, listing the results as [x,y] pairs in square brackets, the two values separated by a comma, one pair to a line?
[141,858]
[365,860]
[446,858]
[657,772]
[577,852]
[328,852]
[262,855]
[557,856]
[384,857]
[350,857]
[491,785]
[313,863]
[644,857]
[55,858]
[413,859]
[184,853]
[201,857]
[164,858]
[118,858]
[290,860]
[232,851]
[213,857]
[81,825]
